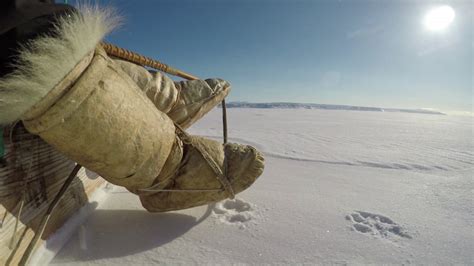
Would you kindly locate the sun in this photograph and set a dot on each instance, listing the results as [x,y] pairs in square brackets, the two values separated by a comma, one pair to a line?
[439,18]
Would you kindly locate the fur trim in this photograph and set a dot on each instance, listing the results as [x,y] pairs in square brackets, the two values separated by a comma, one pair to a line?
[43,62]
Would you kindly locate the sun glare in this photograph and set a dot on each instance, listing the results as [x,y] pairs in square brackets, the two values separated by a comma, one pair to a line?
[439,18]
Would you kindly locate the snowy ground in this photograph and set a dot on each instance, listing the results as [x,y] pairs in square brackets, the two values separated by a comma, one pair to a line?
[340,187]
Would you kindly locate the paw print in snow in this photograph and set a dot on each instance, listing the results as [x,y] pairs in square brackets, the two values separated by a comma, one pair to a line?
[376,224]
[234,211]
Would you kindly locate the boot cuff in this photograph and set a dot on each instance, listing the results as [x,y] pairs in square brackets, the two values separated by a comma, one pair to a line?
[45,61]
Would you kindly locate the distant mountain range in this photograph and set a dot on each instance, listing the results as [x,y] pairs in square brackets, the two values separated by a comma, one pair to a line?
[287,105]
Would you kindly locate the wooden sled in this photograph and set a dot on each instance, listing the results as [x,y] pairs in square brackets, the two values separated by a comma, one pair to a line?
[31,174]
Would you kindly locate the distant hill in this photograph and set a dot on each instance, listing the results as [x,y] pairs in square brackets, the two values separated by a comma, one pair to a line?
[288,105]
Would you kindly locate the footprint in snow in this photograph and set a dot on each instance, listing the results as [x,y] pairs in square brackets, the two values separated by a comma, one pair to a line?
[234,211]
[375,224]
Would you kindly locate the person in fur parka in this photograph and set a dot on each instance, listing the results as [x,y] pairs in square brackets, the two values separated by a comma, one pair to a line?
[112,116]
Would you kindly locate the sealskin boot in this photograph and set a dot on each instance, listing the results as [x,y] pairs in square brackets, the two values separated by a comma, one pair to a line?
[208,172]
[184,102]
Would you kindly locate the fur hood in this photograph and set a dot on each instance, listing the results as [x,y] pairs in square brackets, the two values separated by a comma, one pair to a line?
[44,62]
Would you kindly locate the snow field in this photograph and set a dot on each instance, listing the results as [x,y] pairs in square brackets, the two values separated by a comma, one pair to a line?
[339,187]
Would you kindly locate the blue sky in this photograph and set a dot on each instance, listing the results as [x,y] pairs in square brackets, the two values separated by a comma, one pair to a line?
[371,53]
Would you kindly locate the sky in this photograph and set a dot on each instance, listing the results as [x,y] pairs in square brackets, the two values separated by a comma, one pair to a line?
[368,53]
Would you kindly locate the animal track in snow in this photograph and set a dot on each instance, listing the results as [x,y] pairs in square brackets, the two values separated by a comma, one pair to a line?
[234,211]
[375,224]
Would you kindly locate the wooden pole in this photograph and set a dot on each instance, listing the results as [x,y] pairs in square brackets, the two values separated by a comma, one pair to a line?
[136,58]
[44,221]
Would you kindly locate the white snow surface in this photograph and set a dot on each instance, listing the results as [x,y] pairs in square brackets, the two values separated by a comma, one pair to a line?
[339,187]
